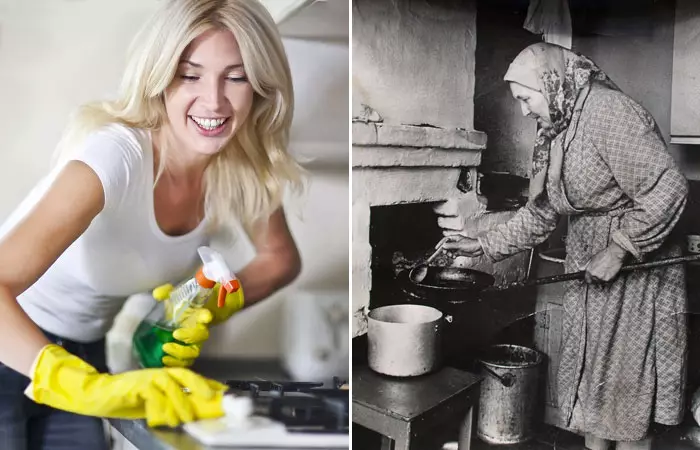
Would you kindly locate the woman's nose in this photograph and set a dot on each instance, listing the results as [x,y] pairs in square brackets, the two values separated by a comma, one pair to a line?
[213,93]
[525,109]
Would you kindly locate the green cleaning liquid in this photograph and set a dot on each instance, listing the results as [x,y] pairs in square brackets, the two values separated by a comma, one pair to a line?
[148,343]
[172,304]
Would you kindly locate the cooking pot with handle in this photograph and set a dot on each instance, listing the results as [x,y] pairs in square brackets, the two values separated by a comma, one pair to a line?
[405,340]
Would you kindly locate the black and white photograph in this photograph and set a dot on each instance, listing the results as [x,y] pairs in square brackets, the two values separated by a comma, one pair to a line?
[525,224]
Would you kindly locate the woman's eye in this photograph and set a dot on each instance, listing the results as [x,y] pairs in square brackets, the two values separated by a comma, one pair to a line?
[236,79]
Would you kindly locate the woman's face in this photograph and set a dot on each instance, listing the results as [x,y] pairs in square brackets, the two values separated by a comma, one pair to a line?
[532,103]
[210,96]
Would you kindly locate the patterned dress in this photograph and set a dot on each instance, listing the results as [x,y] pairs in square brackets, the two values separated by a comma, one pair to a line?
[624,343]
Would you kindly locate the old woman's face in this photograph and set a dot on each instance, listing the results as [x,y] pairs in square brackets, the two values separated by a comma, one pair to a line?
[532,103]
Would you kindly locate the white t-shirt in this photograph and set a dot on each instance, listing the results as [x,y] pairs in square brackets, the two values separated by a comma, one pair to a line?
[123,251]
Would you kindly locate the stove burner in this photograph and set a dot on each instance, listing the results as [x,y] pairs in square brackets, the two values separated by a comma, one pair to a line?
[255,387]
[305,407]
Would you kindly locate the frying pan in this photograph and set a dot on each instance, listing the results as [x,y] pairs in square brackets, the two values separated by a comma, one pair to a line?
[462,281]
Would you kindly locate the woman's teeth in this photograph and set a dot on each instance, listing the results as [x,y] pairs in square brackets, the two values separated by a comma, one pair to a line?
[208,124]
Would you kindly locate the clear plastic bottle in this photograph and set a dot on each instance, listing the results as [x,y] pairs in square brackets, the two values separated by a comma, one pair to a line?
[167,315]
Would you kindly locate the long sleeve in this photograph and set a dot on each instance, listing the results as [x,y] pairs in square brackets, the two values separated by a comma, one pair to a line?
[626,138]
[530,226]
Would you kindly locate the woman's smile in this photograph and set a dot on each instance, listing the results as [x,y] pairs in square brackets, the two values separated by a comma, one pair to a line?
[210,127]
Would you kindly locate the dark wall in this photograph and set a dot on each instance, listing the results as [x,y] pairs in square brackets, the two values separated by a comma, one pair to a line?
[500,37]
[636,51]
[632,40]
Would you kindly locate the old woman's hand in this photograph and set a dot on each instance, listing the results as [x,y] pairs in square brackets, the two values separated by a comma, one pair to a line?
[449,217]
[606,264]
[459,245]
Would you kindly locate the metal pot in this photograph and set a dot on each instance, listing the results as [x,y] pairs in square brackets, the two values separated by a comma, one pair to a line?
[404,340]
[465,327]
[508,398]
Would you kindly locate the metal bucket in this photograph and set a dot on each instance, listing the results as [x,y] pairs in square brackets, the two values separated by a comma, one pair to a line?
[404,340]
[508,394]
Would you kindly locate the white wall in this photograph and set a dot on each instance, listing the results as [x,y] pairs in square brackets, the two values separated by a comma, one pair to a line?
[55,55]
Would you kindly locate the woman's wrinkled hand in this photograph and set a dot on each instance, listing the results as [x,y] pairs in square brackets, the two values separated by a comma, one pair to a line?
[462,246]
[452,215]
[606,264]
[448,218]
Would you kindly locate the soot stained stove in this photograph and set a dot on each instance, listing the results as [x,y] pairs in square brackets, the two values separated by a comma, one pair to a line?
[274,414]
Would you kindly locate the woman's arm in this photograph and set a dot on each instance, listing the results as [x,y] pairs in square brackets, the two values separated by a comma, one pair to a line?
[531,225]
[625,136]
[277,262]
[32,246]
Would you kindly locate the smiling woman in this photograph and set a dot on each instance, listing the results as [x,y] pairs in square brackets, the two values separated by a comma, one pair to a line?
[194,144]
[227,58]
[209,98]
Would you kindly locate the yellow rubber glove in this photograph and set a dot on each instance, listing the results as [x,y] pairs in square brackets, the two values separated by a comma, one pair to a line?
[193,331]
[64,381]
[234,302]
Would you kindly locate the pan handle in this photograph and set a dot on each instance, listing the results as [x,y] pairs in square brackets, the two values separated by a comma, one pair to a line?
[661,263]
[582,273]
[629,268]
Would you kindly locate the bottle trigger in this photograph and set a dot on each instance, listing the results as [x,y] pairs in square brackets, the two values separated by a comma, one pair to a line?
[221,300]
[228,287]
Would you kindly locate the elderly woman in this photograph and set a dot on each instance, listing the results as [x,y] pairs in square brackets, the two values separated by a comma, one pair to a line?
[600,160]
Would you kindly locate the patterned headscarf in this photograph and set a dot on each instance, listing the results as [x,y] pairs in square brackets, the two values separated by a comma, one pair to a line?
[561,75]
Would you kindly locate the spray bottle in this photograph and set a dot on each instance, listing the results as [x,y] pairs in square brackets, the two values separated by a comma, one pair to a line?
[167,315]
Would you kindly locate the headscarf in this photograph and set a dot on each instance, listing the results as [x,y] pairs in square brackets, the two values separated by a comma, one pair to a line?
[561,75]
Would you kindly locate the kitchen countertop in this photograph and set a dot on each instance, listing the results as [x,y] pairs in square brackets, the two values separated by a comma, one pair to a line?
[145,438]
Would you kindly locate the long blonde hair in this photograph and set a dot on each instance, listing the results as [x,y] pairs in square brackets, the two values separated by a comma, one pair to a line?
[246,180]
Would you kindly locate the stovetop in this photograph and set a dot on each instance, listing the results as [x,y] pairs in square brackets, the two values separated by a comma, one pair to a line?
[303,407]
[280,414]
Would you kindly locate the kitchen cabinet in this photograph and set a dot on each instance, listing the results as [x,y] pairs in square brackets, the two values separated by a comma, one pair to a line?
[685,92]
[693,288]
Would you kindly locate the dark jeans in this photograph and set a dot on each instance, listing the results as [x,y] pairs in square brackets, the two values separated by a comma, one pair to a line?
[25,425]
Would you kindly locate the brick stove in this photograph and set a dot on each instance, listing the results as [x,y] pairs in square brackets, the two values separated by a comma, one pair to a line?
[413,109]
[395,164]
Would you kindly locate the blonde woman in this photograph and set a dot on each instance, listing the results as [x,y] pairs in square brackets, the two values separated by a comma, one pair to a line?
[194,144]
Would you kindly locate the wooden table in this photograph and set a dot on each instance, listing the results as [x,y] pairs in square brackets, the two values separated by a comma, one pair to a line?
[408,412]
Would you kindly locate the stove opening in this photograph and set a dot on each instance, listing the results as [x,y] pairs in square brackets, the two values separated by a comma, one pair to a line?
[403,235]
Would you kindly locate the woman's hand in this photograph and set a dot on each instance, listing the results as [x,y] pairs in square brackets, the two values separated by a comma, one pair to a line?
[454,214]
[168,396]
[606,264]
[449,217]
[192,332]
[235,301]
[462,246]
